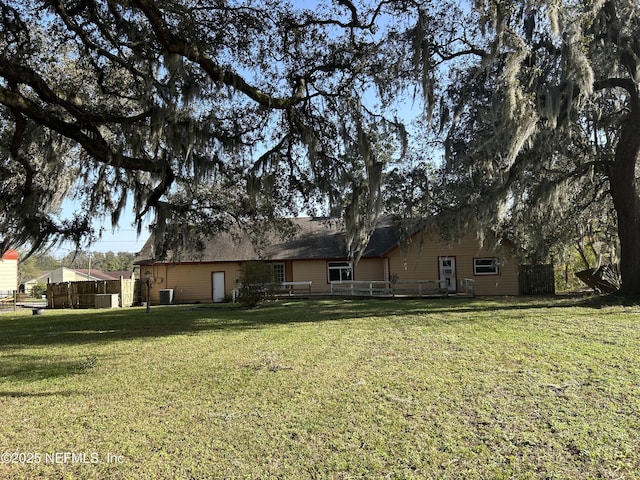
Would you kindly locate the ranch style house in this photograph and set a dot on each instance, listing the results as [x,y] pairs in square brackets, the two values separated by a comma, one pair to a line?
[314,261]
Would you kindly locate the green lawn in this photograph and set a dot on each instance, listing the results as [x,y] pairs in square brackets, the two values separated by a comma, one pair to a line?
[324,389]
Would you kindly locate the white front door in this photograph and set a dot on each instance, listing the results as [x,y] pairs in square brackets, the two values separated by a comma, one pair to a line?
[217,286]
[447,273]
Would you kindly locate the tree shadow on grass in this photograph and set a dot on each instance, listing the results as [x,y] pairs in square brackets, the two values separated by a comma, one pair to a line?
[73,327]
[31,368]
[92,326]
[17,394]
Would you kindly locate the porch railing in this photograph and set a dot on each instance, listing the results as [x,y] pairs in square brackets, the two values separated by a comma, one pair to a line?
[379,288]
[294,288]
[418,288]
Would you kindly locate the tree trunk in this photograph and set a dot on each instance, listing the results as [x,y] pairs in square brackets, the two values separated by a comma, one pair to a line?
[622,177]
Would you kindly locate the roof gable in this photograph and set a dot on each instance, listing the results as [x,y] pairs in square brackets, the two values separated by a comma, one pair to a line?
[94,274]
[87,274]
[10,255]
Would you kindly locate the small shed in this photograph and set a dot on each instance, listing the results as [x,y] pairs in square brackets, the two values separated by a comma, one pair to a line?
[9,272]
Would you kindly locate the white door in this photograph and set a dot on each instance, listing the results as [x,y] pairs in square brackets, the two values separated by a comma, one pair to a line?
[217,286]
[447,273]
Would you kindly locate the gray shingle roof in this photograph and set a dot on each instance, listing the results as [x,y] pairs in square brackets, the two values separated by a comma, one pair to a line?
[316,238]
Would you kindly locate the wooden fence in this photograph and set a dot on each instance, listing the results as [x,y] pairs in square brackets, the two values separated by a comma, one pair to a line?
[83,294]
[537,280]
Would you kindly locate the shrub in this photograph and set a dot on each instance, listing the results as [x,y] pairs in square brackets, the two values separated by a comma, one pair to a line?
[38,290]
[256,283]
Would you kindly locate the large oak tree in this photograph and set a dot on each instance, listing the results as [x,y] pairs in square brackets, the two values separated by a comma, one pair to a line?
[202,114]
[544,123]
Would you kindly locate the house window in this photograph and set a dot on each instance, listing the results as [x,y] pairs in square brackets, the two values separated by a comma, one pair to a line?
[485,266]
[339,271]
[277,272]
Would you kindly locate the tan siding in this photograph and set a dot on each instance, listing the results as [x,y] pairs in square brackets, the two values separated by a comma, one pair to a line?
[505,283]
[192,282]
[314,271]
[369,269]
[420,262]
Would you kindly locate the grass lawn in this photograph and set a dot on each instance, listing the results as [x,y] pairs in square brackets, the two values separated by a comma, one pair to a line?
[481,388]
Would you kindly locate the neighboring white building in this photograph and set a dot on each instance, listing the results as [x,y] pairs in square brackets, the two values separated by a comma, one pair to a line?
[64,274]
[9,272]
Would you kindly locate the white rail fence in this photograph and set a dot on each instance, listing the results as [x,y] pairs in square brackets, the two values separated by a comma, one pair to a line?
[294,288]
[419,288]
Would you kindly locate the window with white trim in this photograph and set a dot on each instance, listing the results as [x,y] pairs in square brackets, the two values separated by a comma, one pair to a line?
[485,266]
[277,272]
[339,271]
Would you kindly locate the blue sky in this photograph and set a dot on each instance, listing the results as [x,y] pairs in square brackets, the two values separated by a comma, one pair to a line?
[123,239]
